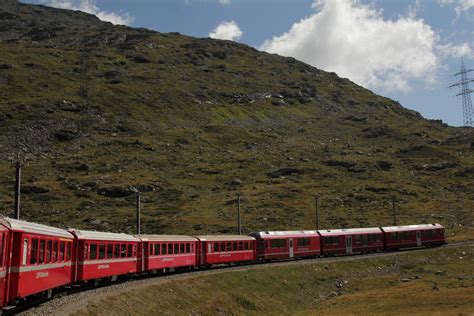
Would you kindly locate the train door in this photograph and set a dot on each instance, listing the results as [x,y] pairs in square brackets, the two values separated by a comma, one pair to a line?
[292,253]
[418,238]
[348,244]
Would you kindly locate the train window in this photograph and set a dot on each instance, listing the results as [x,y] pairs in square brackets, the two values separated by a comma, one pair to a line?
[110,251]
[170,249]
[176,248]
[123,250]
[34,251]
[228,246]
[222,246]
[101,251]
[25,251]
[130,251]
[117,251]
[188,248]
[163,249]
[86,251]
[278,243]
[41,251]
[68,251]
[216,247]
[303,242]
[241,245]
[157,249]
[358,239]
[246,245]
[394,236]
[93,252]
[365,239]
[378,237]
[49,245]
[234,246]
[181,248]
[55,251]
[61,251]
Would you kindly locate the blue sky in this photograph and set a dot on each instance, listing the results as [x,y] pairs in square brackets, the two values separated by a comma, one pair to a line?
[407,50]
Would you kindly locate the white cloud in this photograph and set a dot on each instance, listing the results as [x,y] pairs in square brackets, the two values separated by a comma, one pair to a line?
[225,2]
[456,51]
[227,31]
[89,6]
[460,5]
[354,40]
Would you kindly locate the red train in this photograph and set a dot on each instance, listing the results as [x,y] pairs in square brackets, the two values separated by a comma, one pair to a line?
[36,259]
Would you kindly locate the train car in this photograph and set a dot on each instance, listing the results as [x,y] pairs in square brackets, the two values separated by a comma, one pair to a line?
[167,252]
[412,236]
[104,255]
[35,259]
[353,240]
[279,245]
[217,249]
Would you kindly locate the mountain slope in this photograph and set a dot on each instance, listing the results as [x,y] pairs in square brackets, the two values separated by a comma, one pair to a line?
[93,109]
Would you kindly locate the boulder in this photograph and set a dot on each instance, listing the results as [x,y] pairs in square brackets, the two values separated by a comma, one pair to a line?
[282,172]
[33,189]
[65,135]
[115,192]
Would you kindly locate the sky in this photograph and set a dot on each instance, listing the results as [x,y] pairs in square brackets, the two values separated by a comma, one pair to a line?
[407,50]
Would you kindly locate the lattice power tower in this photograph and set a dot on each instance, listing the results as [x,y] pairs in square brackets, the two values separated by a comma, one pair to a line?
[467,111]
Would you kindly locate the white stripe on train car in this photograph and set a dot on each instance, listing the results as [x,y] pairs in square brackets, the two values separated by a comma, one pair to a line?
[107,261]
[40,267]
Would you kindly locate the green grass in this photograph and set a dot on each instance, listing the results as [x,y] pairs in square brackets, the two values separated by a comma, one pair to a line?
[422,282]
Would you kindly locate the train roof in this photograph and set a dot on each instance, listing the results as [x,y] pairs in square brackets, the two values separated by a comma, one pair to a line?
[290,233]
[225,238]
[411,227]
[165,238]
[34,228]
[349,231]
[94,235]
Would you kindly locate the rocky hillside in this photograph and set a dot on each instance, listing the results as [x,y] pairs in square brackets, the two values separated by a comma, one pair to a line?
[94,110]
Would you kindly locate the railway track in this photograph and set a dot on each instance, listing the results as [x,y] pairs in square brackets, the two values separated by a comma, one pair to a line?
[76,298]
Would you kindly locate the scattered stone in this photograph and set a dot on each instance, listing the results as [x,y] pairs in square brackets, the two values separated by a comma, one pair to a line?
[211,171]
[115,192]
[384,165]
[339,163]
[236,182]
[288,171]
[32,189]
[66,135]
[439,272]
[141,60]
[441,166]
[32,179]
[405,280]
[84,167]
[6,66]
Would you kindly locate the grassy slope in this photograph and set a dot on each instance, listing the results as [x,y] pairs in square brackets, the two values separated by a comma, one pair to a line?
[428,282]
[192,118]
